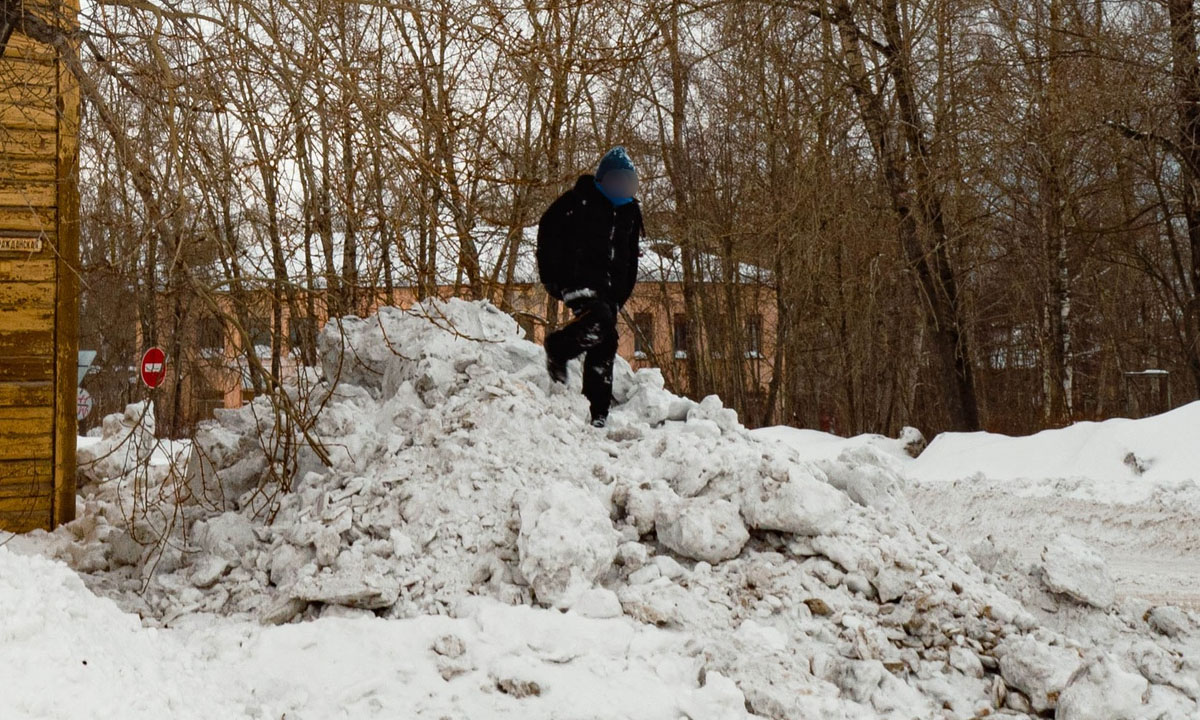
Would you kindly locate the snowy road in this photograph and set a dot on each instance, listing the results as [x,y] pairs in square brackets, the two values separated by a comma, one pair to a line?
[1152,546]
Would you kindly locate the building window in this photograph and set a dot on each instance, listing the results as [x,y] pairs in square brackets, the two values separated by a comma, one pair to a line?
[754,336]
[211,331]
[259,330]
[680,335]
[643,335]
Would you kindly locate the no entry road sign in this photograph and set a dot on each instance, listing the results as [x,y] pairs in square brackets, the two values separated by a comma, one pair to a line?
[154,367]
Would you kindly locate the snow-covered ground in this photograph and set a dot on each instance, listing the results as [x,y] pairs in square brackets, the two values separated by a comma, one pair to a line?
[475,550]
[1130,488]
[69,654]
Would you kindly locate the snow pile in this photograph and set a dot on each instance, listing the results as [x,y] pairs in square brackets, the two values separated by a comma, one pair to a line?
[1124,458]
[804,587]
[817,445]
[490,660]
[55,634]
[1127,488]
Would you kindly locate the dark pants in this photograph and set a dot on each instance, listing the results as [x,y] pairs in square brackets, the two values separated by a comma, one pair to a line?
[594,331]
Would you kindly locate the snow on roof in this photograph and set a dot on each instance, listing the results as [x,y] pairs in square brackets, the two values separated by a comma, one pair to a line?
[661,260]
[667,266]
[491,243]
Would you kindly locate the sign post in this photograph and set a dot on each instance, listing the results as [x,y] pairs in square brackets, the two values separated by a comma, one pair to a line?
[154,367]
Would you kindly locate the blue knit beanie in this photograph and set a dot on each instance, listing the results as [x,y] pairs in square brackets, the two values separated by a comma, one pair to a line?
[615,159]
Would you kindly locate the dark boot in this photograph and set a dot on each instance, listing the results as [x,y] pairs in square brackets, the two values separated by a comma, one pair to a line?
[556,368]
[558,354]
[598,373]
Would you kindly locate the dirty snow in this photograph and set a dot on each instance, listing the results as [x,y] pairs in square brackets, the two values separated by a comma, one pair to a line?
[706,572]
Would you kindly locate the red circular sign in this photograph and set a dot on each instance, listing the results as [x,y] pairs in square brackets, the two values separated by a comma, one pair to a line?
[154,367]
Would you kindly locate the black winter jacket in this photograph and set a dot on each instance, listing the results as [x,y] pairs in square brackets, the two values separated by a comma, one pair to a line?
[585,243]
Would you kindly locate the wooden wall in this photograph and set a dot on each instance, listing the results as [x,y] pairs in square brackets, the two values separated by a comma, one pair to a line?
[39,289]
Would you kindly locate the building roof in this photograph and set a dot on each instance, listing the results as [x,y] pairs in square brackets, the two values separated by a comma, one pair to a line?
[660,260]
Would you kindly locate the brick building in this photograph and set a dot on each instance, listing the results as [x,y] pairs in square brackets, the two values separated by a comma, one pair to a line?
[654,331]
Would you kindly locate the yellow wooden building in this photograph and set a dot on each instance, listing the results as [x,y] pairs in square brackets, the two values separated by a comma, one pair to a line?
[39,286]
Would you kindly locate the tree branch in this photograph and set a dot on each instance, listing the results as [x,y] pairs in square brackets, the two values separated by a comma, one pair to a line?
[1152,137]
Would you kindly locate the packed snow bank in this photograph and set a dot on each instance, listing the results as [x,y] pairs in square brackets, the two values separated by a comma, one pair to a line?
[816,445]
[1128,488]
[1121,458]
[804,587]
[68,654]
[491,660]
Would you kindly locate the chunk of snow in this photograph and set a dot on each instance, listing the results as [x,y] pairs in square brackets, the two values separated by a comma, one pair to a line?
[1168,620]
[597,603]
[1101,690]
[228,535]
[1071,567]
[799,504]
[702,529]
[352,588]
[1038,669]
[207,571]
[567,542]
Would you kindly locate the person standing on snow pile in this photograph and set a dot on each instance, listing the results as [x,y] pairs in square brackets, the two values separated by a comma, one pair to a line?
[587,253]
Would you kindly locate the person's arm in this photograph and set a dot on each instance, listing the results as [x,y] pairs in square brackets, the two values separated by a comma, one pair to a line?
[551,245]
